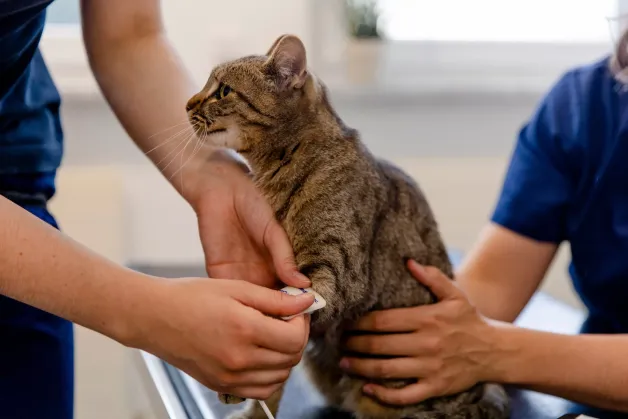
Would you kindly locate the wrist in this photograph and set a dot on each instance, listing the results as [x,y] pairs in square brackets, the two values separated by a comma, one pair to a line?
[212,165]
[133,310]
[505,347]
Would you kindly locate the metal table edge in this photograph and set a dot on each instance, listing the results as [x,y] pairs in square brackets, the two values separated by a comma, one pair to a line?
[168,393]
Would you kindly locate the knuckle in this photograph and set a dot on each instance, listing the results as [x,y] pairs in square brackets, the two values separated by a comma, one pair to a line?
[226,380]
[279,298]
[437,365]
[288,262]
[370,345]
[244,330]
[434,345]
[294,361]
[283,377]
[379,322]
[234,361]
[382,369]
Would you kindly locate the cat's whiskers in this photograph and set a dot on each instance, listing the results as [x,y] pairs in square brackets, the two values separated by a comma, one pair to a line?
[197,147]
[182,140]
[170,139]
[186,121]
[187,141]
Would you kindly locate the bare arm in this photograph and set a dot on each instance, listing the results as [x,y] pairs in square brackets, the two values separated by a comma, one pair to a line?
[148,87]
[144,81]
[589,369]
[173,319]
[41,267]
[499,276]
[503,270]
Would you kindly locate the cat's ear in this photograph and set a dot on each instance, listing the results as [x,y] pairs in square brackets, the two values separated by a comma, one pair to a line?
[287,62]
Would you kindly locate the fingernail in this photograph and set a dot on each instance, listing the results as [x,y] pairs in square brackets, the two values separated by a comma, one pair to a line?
[305,297]
[344,363]
[368,389]
[302,278]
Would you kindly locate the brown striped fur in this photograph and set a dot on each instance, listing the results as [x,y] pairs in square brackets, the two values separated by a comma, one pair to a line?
[353,219]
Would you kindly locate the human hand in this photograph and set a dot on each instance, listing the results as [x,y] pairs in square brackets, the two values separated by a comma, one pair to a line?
[218,332]
[240,236]
[447,345]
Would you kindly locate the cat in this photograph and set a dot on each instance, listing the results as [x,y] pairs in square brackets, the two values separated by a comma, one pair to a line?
[353,219]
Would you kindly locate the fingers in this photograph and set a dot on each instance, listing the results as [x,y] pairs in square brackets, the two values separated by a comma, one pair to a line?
[255,378]
[276,241]
[266,359]
[272,302]
[397,320]
[443,287]
[287,337]
[414,393]
[393,368]
[392,345]
[284,336]
[254,393]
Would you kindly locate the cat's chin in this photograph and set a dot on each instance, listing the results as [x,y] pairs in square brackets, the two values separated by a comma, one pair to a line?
[224,137]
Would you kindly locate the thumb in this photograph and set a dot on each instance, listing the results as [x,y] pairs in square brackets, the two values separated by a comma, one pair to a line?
[274,303]
[276,241]
[268,234]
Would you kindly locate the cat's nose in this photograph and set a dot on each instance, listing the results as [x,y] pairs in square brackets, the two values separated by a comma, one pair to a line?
[194,101]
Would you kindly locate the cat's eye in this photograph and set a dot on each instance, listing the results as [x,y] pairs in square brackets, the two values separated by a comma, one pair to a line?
[222,91]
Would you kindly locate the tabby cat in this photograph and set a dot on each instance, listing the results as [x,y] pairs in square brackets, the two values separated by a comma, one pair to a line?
[352,219]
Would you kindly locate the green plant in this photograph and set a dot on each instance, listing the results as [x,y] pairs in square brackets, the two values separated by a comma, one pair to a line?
[363,16]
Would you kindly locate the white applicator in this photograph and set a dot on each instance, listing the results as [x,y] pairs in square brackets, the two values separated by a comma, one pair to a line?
[319,302]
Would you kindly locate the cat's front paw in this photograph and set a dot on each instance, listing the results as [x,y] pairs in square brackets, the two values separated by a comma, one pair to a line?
[229,399]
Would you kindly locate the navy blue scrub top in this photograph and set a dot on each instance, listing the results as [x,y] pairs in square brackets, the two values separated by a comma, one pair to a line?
[568,181]
[30,127]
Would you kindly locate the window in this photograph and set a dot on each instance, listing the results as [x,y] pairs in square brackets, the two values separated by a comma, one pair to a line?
[562,21]
[496,45]
[488,46]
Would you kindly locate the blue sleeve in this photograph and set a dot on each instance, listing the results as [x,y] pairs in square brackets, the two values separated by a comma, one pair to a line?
[537,188]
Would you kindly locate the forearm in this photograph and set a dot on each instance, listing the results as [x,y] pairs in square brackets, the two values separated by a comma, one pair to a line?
[148,87]
[589,369]
[502,271]
[41,267]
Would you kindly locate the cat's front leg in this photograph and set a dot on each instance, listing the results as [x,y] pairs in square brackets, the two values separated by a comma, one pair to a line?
[324,281]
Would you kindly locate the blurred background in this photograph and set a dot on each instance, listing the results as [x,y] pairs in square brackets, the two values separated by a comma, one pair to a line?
[439,87]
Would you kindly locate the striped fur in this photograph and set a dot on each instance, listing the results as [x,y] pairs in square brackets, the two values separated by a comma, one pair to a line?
[353,219]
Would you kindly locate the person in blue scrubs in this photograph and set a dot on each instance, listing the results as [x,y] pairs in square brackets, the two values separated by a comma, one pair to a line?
[567,181]
[47,280]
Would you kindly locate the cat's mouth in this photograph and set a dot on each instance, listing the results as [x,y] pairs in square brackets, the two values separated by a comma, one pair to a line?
[216,131]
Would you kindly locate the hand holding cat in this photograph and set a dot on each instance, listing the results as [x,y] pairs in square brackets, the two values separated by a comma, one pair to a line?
[222,339]
[240,236]
[446,345]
